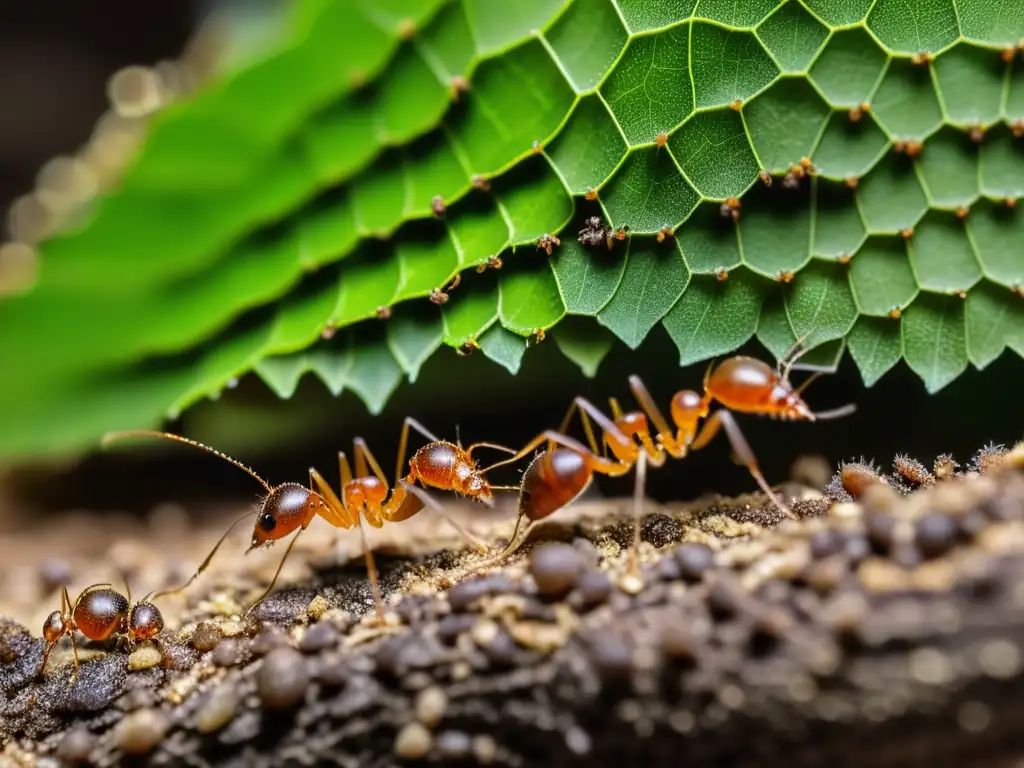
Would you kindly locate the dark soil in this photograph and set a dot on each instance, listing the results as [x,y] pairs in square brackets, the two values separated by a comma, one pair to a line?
[884,631]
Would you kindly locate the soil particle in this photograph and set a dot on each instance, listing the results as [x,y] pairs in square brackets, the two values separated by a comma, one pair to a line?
[206,637]
[556,568]
[282,679]
[141,731]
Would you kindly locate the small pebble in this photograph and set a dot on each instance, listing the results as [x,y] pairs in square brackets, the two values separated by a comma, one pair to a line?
[826,542]
[75,745]
[723,600]
[594,588]
[270,637]
[677,641]
[611,656]
[454,745]
[453,625]
[556,568]
[140,731]
[413,741]
[465,593]
[667,569]
[145,657]
[206,637]
[317,607]
[485,750]
[282,679]
[319,637]
[694,560]
[229,653]
[578,741]
[430,706]
[881,531]
[219,709]
[935,534]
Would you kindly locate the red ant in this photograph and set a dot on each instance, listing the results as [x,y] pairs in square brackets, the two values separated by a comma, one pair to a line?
[290,507]
[565,468]
[99,613]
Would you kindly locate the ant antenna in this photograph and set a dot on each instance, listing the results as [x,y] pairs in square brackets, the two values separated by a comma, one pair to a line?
[458,436]
[206,562]
[112,436]
[835,413]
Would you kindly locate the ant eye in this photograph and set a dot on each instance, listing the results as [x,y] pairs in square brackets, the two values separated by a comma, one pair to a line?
[267,522]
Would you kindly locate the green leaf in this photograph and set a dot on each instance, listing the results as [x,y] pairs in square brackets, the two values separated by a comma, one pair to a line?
[849,149]
[775,229]
[587,38]
[915,27]
[504,347]
[529,296]
[934,343]
[994,318]
[470,311]
[649,91]
[648,193]
[838,228]
[820,305]
[714,317]
[413,337]
[785,122]
[793,36]
[709,244]
[905,103]
[849,68]
[948,169]
[890,198]
[876,345]
[454,136]
[727,65]
[996,232]
[589,148]
[942,256]
[584,342]
[587,277]
[714,152]
[970,81]
[881,278]
[654,279]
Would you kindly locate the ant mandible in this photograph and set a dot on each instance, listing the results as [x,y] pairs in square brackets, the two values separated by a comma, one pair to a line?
[99,613]
[565,468]
[290,507]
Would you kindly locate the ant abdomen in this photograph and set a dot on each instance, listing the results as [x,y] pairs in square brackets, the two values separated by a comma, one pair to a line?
[288,506]
[100,613]
[145,621]
[551,481]
[740,383]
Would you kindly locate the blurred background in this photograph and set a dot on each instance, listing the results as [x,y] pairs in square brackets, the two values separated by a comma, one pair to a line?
[56,60]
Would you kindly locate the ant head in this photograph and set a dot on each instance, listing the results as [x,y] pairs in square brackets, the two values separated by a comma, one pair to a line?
[790,403]
[145,621]
[476,487]
[287,507]
[55,627]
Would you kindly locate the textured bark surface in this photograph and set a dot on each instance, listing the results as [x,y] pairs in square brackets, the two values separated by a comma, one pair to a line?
[886,631]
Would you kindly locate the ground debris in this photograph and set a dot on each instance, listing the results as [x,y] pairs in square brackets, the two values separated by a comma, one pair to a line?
[884,627]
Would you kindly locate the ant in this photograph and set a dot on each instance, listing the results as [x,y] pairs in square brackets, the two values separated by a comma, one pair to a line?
[290,507]
[565,468]
[99,613]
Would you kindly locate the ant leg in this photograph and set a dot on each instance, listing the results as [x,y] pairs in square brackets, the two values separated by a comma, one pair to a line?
[835,413]
[371,572]
[588,429]
[206,562]
[606,466]
[333,511]
[638,510]
[403,444]
[46,656]
[665,434]
[74,650]
[429,501]
[723,418]
[277,573]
